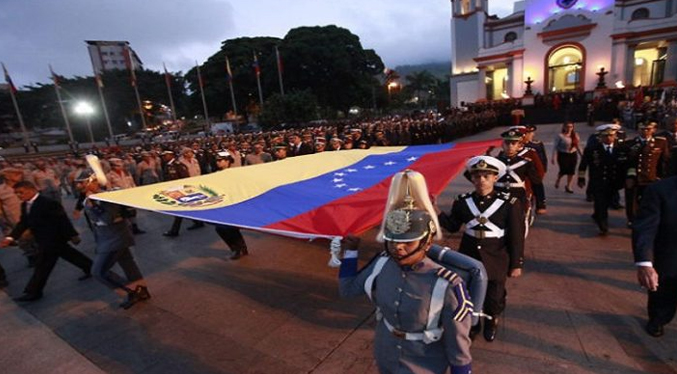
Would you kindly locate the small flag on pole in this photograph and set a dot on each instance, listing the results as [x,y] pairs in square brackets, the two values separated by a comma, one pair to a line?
[257,68]
[8,79]
[130,65]
[229,73]
[168,77]
[55,78]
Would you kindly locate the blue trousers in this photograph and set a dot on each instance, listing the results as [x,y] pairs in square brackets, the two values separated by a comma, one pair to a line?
[104,262]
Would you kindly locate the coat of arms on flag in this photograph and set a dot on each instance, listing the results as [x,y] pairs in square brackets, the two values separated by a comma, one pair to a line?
[566,4]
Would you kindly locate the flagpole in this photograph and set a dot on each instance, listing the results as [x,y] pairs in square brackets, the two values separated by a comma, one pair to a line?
[57,88]
[202,92]
[257,70]
[99,85]
[12,93]
[279,70]
[169,91]
[132,74]
[230,84]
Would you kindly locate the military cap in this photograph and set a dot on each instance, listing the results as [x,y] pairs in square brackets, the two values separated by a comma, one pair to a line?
[320,141]
[649,125]
[485,163]
[281,145]
[609,128]
[515,134]
[167,152]
[406,225]
[356,130]
[530,128]
[115,161]
[338,140]
[223,154]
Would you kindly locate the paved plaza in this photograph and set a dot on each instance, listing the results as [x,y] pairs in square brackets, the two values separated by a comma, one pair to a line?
[577,309]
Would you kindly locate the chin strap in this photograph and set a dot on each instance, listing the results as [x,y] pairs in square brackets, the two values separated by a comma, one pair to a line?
[335,250]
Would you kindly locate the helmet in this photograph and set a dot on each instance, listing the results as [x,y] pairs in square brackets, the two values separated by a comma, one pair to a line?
[407,225]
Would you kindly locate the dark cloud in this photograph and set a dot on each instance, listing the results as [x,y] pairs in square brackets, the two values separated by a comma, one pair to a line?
[34,33]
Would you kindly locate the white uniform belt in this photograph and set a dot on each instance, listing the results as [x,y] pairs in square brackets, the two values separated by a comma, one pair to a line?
[510,185]
[402,334]
[482,234]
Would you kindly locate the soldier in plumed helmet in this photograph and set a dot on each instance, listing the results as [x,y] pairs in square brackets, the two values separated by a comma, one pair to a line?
[493,232]
[423,309]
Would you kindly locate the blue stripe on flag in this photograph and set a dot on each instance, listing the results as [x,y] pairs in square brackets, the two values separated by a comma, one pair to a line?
[296,198]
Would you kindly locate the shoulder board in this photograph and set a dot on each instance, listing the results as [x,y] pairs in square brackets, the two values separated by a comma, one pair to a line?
[513,200]
[503,195]
[661,138]
[449,275]
[527,158]
[463,196]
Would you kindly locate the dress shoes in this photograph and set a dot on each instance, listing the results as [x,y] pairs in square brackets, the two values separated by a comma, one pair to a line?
[490,328]
[27,297]
[239,253]
[143,293]
[654,329]
[170,234]
[196,226]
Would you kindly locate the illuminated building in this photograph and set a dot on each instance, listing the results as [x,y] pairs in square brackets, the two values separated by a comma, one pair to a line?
[561,45]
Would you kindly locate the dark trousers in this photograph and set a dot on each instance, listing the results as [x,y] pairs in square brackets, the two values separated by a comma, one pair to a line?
[494,302]
[663,303]
[176,225]
[103,262]
[47,260]
[232,237]
[3,276]
[539,192]
[632,198]
[603,199]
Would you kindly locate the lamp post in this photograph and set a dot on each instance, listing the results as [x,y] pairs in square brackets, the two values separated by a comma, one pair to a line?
[85,109]
[391,86]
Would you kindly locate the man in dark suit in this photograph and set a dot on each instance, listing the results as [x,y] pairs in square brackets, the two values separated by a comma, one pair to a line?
[606,160]
[298,147]
[671,136]
[52,230]
[654,244]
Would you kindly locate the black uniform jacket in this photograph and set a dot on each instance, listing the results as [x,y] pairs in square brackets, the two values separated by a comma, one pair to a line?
[498,255]
[654,230]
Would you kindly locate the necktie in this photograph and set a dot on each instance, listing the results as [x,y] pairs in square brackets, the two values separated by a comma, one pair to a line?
[609,150]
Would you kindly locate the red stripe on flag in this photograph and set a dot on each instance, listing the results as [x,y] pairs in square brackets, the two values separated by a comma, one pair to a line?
[361,211]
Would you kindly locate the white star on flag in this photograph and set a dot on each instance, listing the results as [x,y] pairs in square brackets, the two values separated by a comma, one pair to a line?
[340,185]
[354,189]
[369,167]
[339,174]
[351,170]
[410,159]
[389,163]
[336,180]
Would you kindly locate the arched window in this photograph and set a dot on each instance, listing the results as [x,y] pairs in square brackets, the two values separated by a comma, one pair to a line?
[510,37]
[641,13]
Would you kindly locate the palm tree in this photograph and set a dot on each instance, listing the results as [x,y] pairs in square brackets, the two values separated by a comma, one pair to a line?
[421,81]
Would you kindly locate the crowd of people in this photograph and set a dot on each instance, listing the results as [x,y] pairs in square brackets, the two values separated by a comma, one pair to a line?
[494,219]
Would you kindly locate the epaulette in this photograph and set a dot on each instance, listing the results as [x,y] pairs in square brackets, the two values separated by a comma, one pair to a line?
[659,137]
[463,196]
[449,275]
[527,158]
[513,200]
[503,195]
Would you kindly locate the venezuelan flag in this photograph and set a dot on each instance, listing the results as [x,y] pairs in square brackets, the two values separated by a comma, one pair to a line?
[324,195]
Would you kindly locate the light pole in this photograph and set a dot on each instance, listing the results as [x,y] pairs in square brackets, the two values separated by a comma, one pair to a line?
[85,109]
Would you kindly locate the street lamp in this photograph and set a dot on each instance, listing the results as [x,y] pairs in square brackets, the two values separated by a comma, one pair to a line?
[86,110]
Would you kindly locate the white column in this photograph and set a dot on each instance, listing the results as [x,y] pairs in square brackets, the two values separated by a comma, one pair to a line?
[618,64]
[481,82]
[517,77]
[629,64]
[671,63]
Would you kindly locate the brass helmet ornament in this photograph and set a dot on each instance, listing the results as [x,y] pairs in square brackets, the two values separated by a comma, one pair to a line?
[409,214]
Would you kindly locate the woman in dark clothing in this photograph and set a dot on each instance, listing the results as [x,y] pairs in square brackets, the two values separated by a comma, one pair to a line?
[565,154]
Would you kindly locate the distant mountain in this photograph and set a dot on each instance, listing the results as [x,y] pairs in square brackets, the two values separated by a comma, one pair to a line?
[438,69]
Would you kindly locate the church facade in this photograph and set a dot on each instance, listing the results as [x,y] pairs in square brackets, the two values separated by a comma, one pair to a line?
[560,46]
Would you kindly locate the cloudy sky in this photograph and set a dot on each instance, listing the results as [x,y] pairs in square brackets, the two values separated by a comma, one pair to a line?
[35,33]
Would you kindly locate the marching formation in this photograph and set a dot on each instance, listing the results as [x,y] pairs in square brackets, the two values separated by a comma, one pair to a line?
[431,301]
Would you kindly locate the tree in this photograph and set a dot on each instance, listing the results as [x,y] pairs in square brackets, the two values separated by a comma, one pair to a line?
[293,107]
[421,83]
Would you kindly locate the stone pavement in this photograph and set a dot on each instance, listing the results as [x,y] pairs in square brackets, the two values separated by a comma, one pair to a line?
[577,309]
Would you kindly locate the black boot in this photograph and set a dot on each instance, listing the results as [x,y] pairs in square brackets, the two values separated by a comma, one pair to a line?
[475,330]
[490,328]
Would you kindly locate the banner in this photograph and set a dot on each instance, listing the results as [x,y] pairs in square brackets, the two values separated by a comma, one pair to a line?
[323,195]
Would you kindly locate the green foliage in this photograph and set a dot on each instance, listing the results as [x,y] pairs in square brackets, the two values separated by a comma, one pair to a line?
[293,107]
